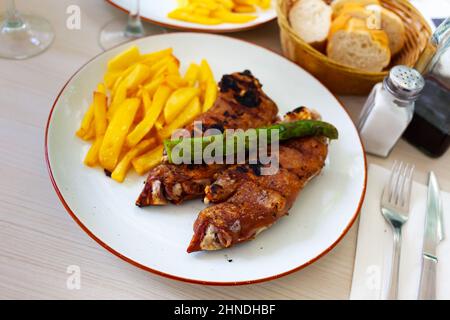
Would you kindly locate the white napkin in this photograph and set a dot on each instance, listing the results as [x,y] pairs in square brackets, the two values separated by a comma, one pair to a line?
[375,244]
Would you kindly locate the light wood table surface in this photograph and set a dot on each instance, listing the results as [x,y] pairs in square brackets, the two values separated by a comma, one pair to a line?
[39,240]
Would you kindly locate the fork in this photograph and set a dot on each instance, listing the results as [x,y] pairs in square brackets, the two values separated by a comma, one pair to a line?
[395,210]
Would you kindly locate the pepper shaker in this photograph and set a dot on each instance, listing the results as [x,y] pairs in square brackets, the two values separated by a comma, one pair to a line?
[430,127]
[389,110]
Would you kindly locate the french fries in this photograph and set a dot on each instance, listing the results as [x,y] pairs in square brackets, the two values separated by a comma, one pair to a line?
[116,133]
[143,99]
[122,168]
[144,127]
[177,101]
[148,161]
[213,12]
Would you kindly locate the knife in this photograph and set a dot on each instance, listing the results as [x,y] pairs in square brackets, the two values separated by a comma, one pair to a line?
[434,234]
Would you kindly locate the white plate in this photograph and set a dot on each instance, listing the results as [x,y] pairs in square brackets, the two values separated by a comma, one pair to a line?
[156,238]
[156,11]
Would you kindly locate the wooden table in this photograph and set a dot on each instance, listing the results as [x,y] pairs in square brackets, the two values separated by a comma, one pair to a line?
[39,240]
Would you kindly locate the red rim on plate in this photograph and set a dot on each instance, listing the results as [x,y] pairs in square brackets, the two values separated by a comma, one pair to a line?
[174,26]
[173,277]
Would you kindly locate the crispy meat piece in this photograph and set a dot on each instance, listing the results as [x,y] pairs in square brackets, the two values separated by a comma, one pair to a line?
[241,104]
[247,203]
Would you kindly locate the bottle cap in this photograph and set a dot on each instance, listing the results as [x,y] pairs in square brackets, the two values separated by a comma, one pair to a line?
[404,83]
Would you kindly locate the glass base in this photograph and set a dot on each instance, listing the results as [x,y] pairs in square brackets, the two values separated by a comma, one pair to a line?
[113,34]
[27,41]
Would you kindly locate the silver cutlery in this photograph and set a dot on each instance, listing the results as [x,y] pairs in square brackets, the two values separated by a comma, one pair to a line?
[395,209]
[434,234]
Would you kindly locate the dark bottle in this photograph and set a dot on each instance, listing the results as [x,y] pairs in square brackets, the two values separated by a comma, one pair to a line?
[430,127]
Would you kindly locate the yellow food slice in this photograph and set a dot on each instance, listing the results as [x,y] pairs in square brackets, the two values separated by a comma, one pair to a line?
[116,133]
[140,73]
[100,102]
[87,124]
[124,59]
[144,127]
[151,58]
[183,15]
[227,16]
[91,159]
[177,101]
[124,165]
[244,8]
[149,160]
[210,95]
[193,110]
[192,74]
[118,99]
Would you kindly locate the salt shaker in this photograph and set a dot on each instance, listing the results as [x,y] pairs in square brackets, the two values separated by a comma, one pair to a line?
[389,110]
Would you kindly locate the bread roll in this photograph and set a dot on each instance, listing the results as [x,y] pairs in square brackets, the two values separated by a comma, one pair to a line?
[392,25]
[351,43]
[388,21]
[338,5]
[311,20]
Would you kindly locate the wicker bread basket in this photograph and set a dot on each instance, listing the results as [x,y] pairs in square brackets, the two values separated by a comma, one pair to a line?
[342,79]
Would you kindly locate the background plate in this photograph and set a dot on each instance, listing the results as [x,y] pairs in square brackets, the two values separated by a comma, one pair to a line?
[156,12]
[156,238]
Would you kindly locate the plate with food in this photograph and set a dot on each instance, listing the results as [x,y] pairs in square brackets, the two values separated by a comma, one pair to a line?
[217,16]
[112,155]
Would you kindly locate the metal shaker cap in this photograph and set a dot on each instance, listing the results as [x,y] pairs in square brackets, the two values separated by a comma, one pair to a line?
[404,83]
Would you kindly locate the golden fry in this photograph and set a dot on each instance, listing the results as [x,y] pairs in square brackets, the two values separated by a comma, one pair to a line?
[124,59]
[151,58]
[229,17]
[152,86]
[91,159]
[210,95]
[144,127]
[140,73]
[265,4]
[175,81]
[100,102]
[90,135]
[192,74]
[87,124]
[149,160]
[205,72]
[159,124]
[149,100]
[160,65]
[180,14]
[244,8]
[116,133]
[122,168]
[178,101]
[188,115]
[118,99]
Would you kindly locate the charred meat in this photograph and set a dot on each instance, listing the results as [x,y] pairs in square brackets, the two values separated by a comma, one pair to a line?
[246,202]
[241,104]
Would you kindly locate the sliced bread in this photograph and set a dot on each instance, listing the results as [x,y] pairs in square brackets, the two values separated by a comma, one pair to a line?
[311,21]
[352,44]
[338,5]
[392,25]
[382,19]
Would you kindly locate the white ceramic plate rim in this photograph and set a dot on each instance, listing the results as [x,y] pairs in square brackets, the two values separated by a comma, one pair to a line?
[187,26]
[106,246]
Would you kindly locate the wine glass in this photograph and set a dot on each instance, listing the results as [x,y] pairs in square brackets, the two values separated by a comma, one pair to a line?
[23,36]
[122,30]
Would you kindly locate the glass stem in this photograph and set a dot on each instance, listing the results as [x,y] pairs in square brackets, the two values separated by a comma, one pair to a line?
[13,20]
[135,29]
